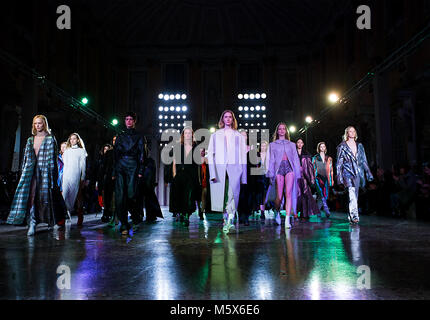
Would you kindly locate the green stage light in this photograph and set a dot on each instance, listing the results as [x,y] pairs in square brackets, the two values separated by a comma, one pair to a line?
[115,122]
[84,100]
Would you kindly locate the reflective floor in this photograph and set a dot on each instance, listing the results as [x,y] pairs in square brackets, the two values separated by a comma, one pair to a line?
[382,258]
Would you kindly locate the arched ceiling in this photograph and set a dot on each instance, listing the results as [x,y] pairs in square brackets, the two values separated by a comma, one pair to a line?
[176,23]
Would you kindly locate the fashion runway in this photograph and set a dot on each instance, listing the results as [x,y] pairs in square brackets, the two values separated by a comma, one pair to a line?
[319,259]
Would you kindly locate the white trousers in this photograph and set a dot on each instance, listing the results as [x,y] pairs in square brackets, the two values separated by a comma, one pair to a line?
[353,202]
[230,206]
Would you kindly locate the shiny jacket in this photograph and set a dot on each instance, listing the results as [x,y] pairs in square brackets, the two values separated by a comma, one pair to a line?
[349,167]
[131,145]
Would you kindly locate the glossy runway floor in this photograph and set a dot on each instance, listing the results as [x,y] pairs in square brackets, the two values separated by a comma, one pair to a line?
[165,260]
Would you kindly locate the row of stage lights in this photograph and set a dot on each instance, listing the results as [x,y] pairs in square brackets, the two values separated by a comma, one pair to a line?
[179,116]
[251,114]
[251,96]
[172,109]
[168,97]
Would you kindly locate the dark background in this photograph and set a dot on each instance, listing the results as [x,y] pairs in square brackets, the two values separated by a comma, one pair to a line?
[122,54]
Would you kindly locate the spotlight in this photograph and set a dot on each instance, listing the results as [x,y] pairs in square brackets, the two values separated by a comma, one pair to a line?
[178,96]
[309,119]
[160,117]
[257,108]
[179,117]
[84,100]
[263,96]
[240,116]
[264,116]
[258,116]
[246,108]
[264,123]
[172,125]
[172,108]
[171,97]
[240,96]
[184,97]
[257,96]
[184,108]
[263,108]
[333,97]
[172,117]
[292,129]
[160,108]
[252,115]
[240,108]
[247,116]
[166,125]
[246,96]
[178,109]
[246,124]
[161,131]
[252,108]
[179,125]
[160,124]
[166,97]
[165,117]
[258,124]
[184,117]
[115,122]
[212,129]
[160,96]
[166,109]
[251,96]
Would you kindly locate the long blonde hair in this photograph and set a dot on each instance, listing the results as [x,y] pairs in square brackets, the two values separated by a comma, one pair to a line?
[80,143]
[45,124]
[276,136]
[345,135]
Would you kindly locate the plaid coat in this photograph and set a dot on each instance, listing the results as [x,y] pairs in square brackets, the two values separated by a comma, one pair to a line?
[48,201]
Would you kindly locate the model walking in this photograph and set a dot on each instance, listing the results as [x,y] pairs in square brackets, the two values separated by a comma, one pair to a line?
[284,172]
[323,166]
[227,167]
[74,159]
[37,195]
[185,187]
[352,169]
[306,204]
[130,155]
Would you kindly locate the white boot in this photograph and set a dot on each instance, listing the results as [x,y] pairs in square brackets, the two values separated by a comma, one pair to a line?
[31,229]
[278,218]
[287,222]
[229,225]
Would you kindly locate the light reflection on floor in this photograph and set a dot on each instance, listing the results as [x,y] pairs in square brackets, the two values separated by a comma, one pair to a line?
[168,260]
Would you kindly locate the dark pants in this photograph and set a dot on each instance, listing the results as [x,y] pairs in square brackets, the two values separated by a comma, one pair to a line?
[126,191]
[107,197]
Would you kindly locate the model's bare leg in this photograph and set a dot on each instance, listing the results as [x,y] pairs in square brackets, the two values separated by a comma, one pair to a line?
[289,180]
[279,195]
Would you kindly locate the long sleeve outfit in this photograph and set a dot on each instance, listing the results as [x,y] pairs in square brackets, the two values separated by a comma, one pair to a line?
[129,154]
[352,172]
[74,159]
